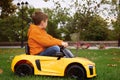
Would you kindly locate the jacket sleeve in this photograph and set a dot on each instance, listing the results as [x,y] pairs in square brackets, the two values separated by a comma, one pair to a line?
[44,39]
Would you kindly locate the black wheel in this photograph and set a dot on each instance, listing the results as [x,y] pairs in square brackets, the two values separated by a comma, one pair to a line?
[76,72]
[23,70]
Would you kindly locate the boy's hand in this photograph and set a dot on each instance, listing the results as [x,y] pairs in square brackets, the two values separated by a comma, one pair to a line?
[65,44]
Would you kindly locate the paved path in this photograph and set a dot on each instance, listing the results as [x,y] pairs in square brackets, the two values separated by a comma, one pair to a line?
[93,47]
[10,46]
[71,47]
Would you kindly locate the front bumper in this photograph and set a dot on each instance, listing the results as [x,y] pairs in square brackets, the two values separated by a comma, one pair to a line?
[90,71]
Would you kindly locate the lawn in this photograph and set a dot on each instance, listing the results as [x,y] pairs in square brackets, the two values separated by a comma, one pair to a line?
[107,64]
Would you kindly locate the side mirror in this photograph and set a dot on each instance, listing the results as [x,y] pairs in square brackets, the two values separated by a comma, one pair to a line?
[59,55]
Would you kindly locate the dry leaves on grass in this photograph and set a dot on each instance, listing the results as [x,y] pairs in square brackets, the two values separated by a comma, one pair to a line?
[93,58]
[116,59]
[1,71]
[115,54]
[106,53]
[10,58]
[112,65]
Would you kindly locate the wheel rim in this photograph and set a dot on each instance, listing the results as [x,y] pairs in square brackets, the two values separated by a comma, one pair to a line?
[76,73]
[23,70]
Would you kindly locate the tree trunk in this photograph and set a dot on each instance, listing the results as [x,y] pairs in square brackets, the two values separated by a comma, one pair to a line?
[119,40]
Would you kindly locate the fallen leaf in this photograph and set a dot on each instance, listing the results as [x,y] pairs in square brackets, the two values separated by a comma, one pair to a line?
[93,58]
[116,59]
[112,65]
[1,71]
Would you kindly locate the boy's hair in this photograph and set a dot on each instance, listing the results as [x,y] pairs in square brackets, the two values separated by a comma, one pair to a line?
[38,16]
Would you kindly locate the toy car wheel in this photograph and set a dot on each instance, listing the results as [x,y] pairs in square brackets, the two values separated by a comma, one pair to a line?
[24,69]
[75,71]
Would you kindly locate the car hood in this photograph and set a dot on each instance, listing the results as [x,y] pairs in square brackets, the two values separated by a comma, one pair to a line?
[84,61]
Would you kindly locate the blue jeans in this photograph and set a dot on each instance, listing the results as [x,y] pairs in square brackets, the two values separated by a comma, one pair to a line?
[50,51]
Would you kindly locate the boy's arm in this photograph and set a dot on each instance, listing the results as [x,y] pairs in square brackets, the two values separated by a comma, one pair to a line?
[65,44]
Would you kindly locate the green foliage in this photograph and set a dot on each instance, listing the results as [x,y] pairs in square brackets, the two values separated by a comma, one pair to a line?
[97,29]
[11,27]
[7,8]
[85,20]
[58,17]
[52,23]
[90,27]
[24,18]
[112,35]
[8,29]
[116,24]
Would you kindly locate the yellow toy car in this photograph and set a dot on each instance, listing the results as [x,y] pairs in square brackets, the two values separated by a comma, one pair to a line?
[62,64]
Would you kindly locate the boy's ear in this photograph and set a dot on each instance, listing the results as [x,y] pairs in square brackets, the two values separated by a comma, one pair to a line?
[42,22]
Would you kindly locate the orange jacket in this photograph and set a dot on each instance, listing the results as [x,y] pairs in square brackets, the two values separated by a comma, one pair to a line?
[39,39]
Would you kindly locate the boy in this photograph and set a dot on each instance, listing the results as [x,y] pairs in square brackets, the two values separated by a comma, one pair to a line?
[39,41]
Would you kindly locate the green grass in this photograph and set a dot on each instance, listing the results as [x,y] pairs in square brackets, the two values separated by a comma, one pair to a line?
[107,64]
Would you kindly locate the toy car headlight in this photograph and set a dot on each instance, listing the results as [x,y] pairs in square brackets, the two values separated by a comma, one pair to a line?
[90,66]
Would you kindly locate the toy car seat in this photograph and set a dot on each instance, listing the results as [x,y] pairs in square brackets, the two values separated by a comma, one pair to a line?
[27,49]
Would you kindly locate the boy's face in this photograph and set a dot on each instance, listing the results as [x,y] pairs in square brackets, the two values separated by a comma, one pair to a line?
[44,23]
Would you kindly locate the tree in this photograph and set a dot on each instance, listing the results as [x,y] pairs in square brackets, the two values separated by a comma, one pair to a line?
[24,19]
[97,29]
[114,12]
[116,24]
[3,36]
[11,27]
[87,22]
[58,16]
